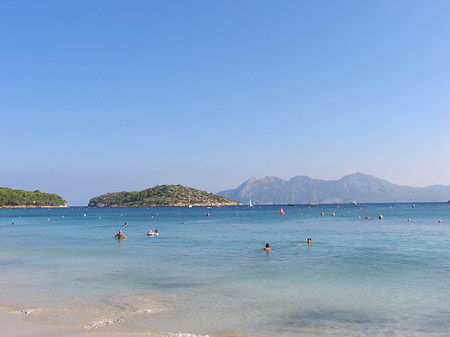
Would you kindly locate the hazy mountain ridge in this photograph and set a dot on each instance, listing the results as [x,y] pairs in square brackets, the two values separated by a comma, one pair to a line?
[359,187]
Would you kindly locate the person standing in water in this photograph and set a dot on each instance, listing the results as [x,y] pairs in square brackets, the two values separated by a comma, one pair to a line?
[156,232]
[308,241]
[120,235]
[267,249]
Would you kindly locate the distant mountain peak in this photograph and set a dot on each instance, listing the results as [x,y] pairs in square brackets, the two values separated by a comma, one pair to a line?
[356,186]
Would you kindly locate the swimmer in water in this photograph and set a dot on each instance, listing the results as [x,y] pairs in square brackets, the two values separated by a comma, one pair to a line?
[308,241]
[126,225]
[120,235]
[156,232]
[267,249]
[150,232]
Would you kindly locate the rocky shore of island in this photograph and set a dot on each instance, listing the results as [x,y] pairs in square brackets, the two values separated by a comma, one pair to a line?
[32,206]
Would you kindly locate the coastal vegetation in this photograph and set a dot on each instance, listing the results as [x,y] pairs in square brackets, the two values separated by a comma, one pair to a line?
[161,195]
[19,198]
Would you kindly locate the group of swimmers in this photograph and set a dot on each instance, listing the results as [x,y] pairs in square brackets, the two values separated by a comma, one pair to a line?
[120,235]
[156,233]
[268,249]
[150,233]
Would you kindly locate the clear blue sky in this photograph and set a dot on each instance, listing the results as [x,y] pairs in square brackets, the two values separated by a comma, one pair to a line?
[103,96]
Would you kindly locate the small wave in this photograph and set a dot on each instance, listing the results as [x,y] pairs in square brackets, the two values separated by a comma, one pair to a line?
[187,334]
[27,312]
[103,322]
[149,311]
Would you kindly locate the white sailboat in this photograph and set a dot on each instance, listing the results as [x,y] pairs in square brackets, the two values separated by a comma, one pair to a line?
[250,203]
[189,202]
[314,202]
[292,203]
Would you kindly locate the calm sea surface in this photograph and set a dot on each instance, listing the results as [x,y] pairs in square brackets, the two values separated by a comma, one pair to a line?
[211,276]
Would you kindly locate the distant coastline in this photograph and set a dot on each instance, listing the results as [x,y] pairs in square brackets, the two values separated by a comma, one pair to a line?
[31,206]
[174,205]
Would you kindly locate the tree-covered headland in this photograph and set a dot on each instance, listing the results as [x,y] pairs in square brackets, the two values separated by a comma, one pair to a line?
[161,195]
[17,198]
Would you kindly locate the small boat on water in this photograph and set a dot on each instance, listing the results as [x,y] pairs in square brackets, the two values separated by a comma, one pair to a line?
[353,202]
[250,203]
[292,198]
[314,202]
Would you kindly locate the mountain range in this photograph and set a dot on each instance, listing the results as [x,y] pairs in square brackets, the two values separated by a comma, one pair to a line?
[358,187]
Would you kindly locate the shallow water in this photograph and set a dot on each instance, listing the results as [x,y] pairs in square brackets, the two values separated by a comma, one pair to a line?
[211,276]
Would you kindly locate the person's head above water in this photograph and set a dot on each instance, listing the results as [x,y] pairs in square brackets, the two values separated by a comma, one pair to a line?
[267,247]
[308,241]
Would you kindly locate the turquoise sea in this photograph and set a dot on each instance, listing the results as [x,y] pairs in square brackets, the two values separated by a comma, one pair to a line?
[211,276]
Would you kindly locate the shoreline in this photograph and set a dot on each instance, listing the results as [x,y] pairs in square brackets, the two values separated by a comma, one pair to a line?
[16,325]
[31,206]
[174,205]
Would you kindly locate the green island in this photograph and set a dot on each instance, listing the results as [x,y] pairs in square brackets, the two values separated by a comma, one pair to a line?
[10,198]
[161,195]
